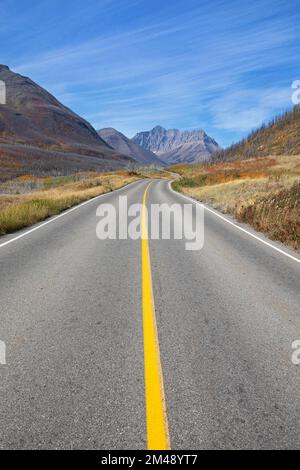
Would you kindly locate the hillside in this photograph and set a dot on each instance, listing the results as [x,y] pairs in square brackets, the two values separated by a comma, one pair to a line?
[174,146]
[263,192]
[122,144]
[36,128]
[280,137]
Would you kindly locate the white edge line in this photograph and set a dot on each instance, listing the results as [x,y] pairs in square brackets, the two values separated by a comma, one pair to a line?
[43,224]
[235,225]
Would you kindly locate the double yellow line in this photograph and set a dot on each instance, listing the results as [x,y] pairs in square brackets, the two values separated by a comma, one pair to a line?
[156,416]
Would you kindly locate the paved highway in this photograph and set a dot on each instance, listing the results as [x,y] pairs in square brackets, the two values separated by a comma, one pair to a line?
[123,344]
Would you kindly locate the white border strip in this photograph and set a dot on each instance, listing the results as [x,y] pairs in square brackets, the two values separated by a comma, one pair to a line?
[235,225]
[52,219]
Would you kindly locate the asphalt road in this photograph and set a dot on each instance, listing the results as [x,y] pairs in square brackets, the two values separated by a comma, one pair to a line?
[71,318]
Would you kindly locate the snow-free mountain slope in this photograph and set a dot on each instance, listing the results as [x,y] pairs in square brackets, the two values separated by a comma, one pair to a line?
[126,146]
[34,125]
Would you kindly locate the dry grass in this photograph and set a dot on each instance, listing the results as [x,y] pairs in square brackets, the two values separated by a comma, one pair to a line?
[154,173]
[27,200]
[263,192]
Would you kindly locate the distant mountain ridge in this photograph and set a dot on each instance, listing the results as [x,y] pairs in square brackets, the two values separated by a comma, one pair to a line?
[175,146]
[126,146]
[35,126]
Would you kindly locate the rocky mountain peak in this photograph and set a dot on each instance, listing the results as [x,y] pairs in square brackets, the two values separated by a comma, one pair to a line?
[173,145]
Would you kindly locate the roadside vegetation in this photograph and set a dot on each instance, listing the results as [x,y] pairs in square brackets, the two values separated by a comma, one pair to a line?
[263,192]
[27,200]
[154,172]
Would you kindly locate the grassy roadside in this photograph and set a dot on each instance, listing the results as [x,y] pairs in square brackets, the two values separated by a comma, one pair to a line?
[27,200]
[264,192]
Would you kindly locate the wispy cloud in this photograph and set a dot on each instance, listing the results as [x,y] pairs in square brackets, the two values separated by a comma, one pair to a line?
[246,109]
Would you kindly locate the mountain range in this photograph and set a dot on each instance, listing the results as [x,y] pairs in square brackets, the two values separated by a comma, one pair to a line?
[126,146]
[173,146]
[38,134]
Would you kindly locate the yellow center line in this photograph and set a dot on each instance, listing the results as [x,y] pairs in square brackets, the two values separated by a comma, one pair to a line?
[156,415]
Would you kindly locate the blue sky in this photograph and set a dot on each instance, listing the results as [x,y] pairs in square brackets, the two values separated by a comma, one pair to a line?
[224,66]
